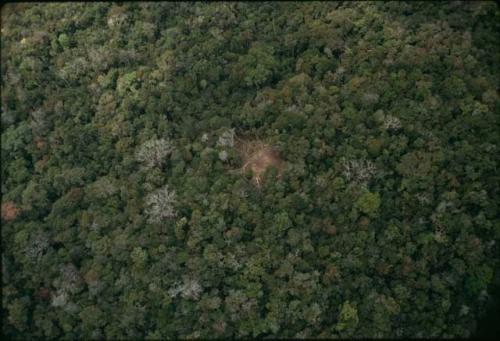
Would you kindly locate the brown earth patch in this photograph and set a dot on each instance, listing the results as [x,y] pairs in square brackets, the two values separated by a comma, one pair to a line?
[9,211]
[258,156]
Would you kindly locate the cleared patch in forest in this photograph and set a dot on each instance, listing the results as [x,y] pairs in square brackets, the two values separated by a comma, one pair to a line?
[257,156]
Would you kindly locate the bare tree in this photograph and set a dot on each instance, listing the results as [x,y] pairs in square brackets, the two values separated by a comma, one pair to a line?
[153,152]
[392,123]
[226,139]
[358,171]
[189,289]
[39,123]
[160,205]
[71,280]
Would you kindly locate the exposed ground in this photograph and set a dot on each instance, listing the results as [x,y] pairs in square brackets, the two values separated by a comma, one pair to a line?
[257,156]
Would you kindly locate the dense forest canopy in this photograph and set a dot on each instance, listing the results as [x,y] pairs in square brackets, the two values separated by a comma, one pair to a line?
[245,169]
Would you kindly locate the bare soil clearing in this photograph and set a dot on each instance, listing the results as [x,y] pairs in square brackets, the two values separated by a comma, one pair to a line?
[258,156]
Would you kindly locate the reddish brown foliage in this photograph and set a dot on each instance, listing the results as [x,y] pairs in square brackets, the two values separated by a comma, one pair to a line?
[330,274]
[39,143]
[9,211]
[43,294]
[91,277]
[331,230]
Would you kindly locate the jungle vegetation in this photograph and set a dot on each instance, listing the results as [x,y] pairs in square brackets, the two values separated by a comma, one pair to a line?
[249,169]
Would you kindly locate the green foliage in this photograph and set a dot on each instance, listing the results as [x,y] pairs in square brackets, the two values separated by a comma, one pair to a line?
[63,39]
[348,317]
[368,203]
[127,83]
[125,129]
[18,314]
[479,280]
[258,65]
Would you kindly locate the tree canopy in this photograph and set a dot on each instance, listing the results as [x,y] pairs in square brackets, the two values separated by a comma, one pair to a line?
[366,203]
